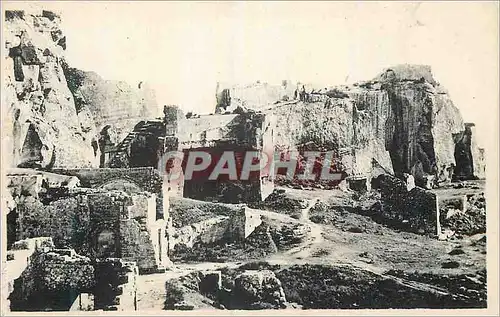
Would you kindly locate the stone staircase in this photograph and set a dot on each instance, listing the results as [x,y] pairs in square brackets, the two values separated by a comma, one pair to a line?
[143,128]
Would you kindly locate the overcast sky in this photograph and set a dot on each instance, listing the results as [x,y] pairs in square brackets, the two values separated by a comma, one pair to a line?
[184,48]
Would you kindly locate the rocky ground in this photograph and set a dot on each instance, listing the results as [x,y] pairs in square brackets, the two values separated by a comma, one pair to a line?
[340,255]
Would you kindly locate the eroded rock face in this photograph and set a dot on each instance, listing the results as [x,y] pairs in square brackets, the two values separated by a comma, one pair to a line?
[113,104]
[469,157]
[337,125]
[42,125]
[402,121]
[421,123]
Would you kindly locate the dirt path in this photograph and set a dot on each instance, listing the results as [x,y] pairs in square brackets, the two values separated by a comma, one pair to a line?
[314,237]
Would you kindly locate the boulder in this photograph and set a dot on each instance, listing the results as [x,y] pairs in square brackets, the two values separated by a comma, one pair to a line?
[259,290]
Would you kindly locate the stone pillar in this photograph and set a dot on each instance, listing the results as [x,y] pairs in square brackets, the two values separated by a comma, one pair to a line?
[465,203]
[438,221]
[410,181]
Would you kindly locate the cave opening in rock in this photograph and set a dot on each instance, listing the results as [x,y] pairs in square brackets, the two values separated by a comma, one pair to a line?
[144,151]
[464,168]
[31,153]
[11,228]
[16,54]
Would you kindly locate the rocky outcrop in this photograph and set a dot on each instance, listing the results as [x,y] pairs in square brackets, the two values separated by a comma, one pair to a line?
[259,290]
[112,103]
[56,114]
[402,121]
[421,122]
[42,126]
[253,96]
[413,210]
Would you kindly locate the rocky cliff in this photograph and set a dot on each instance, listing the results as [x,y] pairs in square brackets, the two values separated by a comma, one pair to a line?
[402,121]
[41,125]
[419,121]
[55,113]
[112,103]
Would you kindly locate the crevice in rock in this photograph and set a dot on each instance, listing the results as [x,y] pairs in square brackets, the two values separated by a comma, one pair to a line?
[31,153]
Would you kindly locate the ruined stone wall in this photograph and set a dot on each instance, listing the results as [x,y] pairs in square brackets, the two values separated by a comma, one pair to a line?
[15,261]
[144,178]
[243,223]
[256,96]
[52,281]
[99,225]
[56,278]
[66,220]
[205,232]
[135,233]
[145,245]
[225,226]
[194,132]
[141,147]
[42,126]
[412,210]
[130,180]
[215,134]
[116,285]
[243,129]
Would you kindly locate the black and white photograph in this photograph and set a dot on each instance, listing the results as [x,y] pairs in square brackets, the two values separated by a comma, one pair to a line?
[289,157]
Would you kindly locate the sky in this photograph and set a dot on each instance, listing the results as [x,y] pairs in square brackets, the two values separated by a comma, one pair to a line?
[183,48]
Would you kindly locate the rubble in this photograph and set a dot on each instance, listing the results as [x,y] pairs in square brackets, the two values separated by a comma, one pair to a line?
[468,219]
[415,210]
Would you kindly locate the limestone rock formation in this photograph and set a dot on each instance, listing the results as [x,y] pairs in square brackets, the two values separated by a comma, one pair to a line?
[402,121]
[112,103]
[420,121]
[254,96]
[43,128]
